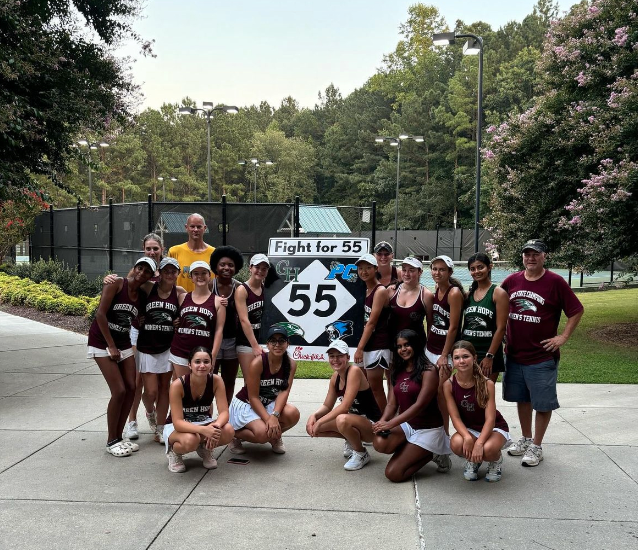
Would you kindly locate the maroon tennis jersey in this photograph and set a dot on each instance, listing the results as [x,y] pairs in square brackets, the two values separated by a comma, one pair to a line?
[380,338]
[196,410]
[364,403]
[270,384]
[406,392]
[408,317]
[157,332]
[472,415]
[535,309]
[440,322]
[121,313]
[255,306]
[197,324]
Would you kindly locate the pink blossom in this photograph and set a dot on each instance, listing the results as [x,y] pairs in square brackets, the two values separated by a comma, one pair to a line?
[489,154]
[621,37]
[581,79]
[491,129]
[575,220]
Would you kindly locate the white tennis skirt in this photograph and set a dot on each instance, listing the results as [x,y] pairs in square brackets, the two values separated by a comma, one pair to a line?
[242,413]
[154,363]
[434,440]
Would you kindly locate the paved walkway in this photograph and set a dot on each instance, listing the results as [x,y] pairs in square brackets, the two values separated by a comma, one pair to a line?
[59,488]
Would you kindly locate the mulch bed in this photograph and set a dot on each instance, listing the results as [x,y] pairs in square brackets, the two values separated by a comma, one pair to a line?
[621,334]
[67,322]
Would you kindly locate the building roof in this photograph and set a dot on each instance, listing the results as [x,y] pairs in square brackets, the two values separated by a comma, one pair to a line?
[322,219]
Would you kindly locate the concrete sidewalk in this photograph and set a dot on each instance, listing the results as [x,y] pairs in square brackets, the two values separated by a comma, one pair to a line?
[59,488]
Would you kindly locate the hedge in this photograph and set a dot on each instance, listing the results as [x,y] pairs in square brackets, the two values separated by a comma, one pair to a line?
[45,296]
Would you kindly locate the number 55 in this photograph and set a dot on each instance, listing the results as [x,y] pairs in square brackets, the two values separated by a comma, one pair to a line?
[297,292]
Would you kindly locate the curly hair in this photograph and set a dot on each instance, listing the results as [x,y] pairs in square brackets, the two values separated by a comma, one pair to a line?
[480,381]
[226,252]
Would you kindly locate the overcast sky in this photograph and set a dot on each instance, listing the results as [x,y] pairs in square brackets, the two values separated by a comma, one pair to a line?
[247,51]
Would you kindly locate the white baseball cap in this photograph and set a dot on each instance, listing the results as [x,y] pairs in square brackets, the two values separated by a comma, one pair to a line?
[445,259]
[410,260]
[339,345]
[367,258]
[195,265]
[259,259]
[149,261]
[169,261]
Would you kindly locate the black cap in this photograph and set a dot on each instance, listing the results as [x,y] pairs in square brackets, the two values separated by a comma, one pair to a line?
[384,244]
[272,331]
[535,244]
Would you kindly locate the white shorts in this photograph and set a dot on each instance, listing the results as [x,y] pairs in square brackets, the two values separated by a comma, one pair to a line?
[433,358]
[154,363]
[434,440]
[242,413]
[377,358]
[135,332]
[169,429]
[92,352]
[505,434]
[227,350]
[181,361]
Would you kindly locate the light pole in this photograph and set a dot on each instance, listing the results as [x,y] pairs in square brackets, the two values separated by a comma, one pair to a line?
[92,146]
[473,46]
[396,142]
[162,178]
[256,163]
[208,109]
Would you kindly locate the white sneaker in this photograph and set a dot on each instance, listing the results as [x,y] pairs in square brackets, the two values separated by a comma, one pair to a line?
[159,434]
[130,430]
[443,463]
[278,447]
[347,449]
[175,462]
[207,458]
[152,420]
[236,447]
[494,470]
[533,455]
[471,470]
[357,461]
[519,448]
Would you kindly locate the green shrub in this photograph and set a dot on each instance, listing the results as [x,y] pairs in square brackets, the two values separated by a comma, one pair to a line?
[71,306]
[59,273]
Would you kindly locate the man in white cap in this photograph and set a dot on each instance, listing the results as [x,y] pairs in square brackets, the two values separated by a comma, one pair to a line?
[537,297]
[193,250]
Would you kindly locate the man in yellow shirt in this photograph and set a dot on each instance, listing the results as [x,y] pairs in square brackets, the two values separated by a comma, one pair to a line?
[195,249]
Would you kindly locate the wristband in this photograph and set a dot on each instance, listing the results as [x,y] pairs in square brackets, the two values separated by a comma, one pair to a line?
[489,355]
[275,414]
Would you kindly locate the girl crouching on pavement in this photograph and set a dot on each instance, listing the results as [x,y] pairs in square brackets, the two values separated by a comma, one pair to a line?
[481,431]
[190,426]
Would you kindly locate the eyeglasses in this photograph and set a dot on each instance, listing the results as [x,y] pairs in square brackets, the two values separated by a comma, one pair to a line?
[277,342]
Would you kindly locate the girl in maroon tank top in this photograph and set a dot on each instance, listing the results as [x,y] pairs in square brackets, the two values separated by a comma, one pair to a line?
[411,303]
[355,410]
[481,430]
[110,346]
[249,302]
[201,320]
[190,426]
[410,428]
[373,350]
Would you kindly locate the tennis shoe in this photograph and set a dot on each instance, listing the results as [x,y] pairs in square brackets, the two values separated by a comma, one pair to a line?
[471,470]
[152,420]
[175,462]
[533,455]
[236,447]
[494,470]
[130,430]
[278,447]
[443,463]
[357,461]
[519,448]
[209,462]
[347,449]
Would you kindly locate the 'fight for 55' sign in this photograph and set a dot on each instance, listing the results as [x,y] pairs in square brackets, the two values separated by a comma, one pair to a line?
[317,297]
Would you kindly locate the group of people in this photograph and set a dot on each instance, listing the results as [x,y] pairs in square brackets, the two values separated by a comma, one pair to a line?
[180,327]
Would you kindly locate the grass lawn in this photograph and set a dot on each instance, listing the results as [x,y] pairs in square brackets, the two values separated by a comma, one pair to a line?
[584,359]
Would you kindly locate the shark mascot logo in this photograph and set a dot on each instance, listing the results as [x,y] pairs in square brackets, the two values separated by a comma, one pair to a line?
[291,328]
[339,330]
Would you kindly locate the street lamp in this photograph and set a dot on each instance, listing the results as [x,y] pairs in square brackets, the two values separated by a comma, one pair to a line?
[256,163]
[396,142]
[92,146]
[473,46]
[208,109]
[162,178]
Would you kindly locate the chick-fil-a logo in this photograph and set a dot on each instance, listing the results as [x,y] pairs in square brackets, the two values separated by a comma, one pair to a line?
[298,353]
